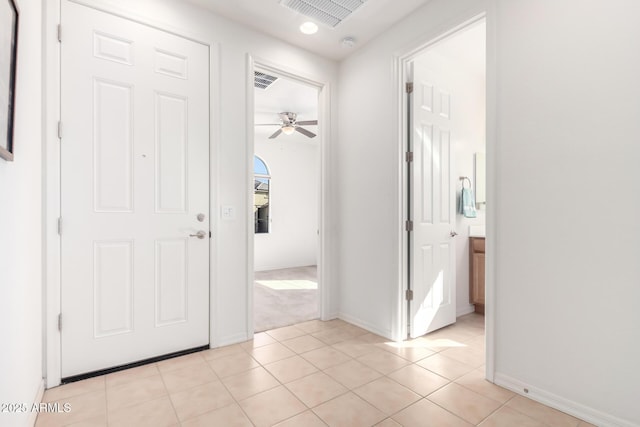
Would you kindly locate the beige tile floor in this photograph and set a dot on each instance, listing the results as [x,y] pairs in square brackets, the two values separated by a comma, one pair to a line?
[311,374]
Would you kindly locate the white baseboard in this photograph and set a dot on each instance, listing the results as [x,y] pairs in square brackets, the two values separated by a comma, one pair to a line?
[330,316]
[365,325]
[37,400]
[230,339]
[552,400]
[461,311]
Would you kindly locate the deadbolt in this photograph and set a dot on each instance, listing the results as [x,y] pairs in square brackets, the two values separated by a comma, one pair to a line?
[201,217]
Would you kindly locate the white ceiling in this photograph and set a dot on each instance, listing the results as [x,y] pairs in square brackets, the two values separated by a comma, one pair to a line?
[269,17]
[467,49]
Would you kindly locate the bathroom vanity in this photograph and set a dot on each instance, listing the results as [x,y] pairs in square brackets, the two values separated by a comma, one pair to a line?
[476,273]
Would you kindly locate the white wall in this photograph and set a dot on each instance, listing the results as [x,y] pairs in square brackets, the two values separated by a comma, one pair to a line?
[292,240]
[230,169]
[566,198]
[467,88]
[21,231]
[565,192]
[369,168]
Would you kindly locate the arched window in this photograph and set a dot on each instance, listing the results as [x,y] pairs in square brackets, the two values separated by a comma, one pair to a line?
[261,178]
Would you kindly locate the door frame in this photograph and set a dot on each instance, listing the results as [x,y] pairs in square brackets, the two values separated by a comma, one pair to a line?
[402,66]
[324,91]
[52,279]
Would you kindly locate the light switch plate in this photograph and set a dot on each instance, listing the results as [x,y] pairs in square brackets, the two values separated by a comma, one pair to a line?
[228,213]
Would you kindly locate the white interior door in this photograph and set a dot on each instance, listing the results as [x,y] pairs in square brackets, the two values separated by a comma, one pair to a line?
[135,177]
[432,207]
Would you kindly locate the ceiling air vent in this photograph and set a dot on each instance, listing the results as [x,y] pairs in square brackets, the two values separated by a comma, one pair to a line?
[329,12]
[262,80]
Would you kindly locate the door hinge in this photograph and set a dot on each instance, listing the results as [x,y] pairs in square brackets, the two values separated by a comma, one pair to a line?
[409,295]
[59,33]
[210,235]
[408,225]
[409,156]
[409,87]
[60,226]
[60,322]
[59,129]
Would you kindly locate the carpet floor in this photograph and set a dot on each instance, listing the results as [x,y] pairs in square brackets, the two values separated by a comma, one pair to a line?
[285,297]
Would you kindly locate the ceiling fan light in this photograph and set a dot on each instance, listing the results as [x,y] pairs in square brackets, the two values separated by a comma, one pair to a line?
[288,130]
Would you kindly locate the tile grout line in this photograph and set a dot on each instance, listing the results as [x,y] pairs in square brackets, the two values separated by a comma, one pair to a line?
[309,408]
[347,388]
[421,397]
[235,401]
[496,410]
[481,395]
[281,384]
[169,394]
[531,416]
[106,402]
[326,345]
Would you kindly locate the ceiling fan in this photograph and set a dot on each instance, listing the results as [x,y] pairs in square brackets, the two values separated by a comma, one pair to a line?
[288,125]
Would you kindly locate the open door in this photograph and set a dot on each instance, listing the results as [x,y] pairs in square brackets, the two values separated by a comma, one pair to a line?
[432,204]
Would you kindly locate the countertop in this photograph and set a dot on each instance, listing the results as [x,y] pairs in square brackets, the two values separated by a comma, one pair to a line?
[477,231]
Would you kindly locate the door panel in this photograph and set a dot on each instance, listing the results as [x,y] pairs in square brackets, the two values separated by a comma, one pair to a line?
[112,146]
[432,205]
[135,175]
[171,148]
[113,287]
[171,281]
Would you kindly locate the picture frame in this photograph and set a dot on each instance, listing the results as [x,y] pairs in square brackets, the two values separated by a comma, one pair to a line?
[8,55]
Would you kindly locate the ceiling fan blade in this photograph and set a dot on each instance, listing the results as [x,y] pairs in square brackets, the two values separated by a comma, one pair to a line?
[307,122]
[305,132]
[276,133]
[267,124]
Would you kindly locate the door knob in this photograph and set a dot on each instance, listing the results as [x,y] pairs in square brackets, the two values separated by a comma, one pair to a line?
[453,234]
[200,234]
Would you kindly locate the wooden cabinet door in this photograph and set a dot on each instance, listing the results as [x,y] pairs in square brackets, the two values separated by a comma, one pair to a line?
[477,289]
[476,273]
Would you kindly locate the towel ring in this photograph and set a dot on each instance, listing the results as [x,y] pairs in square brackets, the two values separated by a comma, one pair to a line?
[465,179]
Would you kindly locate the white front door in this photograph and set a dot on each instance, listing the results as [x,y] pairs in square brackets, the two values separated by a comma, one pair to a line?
[432,207]
[135,178]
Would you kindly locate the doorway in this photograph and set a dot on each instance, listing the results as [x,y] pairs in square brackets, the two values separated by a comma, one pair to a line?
[446,134]
[286,201]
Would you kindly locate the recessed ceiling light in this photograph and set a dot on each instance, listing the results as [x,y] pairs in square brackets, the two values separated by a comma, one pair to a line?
[309,28]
